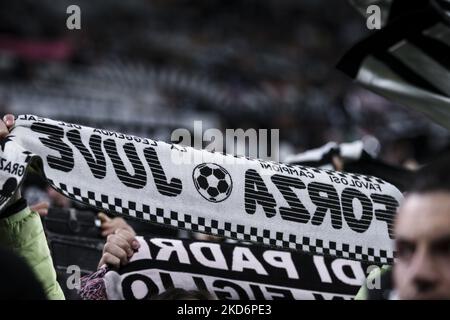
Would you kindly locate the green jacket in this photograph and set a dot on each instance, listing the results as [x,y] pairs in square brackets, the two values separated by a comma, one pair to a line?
[23,233]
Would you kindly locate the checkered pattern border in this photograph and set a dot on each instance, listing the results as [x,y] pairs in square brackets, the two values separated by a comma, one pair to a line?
[225,229]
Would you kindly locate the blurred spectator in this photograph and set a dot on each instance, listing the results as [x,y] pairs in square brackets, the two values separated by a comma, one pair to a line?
[422,233]
[422,270]
[21,230]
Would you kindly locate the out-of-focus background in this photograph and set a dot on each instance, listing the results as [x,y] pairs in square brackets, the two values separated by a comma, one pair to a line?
[147,67]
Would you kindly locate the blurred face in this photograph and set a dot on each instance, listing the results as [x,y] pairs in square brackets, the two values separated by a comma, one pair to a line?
[422,230]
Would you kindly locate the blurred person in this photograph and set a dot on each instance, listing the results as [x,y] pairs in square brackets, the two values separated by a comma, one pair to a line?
[422,230]
[22,232]
[422,241]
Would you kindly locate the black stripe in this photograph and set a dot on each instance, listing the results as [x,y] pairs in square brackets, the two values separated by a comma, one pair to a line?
[385,38]
[437,50]
[403,71]
[401,8]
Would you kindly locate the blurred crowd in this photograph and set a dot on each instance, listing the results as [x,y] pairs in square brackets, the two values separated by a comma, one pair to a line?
[147,67]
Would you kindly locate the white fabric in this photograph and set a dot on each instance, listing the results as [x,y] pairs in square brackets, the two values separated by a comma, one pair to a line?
[293,207]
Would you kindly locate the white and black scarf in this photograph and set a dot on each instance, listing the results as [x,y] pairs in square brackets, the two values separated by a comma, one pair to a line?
[279,205]
[407,60]
[233,272]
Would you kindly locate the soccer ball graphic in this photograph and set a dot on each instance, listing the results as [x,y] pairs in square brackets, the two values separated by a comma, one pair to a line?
[212,181]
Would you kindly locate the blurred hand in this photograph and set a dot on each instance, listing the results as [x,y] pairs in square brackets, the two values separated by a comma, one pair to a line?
[41,208]
[119,248]
[109,225]
[6,124]
[338,163]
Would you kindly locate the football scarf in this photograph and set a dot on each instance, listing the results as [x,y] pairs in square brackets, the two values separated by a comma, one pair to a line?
[233,272]
[294,207]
